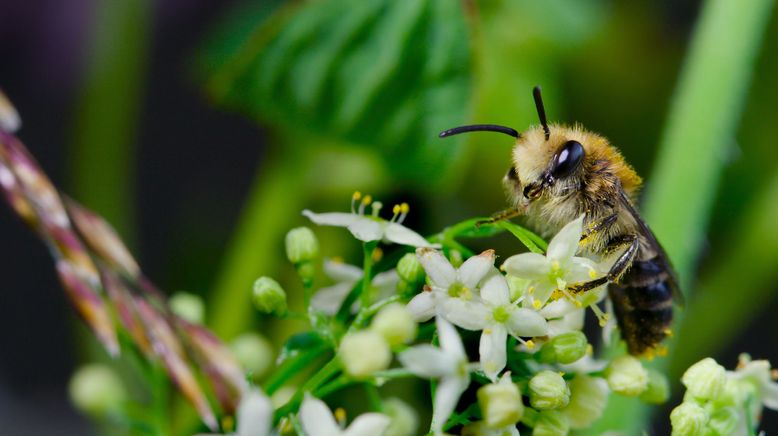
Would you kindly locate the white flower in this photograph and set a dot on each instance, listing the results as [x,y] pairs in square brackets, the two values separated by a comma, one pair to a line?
[371,227]
[254,416]
[329,299]
[317,420]
[448,364]
[758,372]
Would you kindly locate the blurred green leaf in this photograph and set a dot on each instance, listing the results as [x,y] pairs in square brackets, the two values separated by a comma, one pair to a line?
[377,73]
[533,242]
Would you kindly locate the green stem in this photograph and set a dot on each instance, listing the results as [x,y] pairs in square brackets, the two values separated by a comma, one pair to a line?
[366,312]
[323,375]
[367,275]
[376,403]
[292,367]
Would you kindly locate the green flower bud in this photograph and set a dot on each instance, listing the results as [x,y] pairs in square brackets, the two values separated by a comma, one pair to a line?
[723,421]
[95,389]
[269,296]
[188,306]
[301,245]
[500,403]
[626,376]
[253,352]
[364,352]
[409,269]
[548,390]
[733,394]
[688,419]
[658,390]
[395,323]
[705,379]
[589,396]
[565,348]
[405,420]
[551,423]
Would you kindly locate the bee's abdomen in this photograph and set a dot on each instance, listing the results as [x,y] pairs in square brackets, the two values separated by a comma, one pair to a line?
[643,304]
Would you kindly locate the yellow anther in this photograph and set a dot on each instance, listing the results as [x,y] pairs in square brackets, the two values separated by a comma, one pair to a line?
[555,265]
[487,331]
[530,344]
[561,373]
[577,303]
[336,259]
[589,349]
[502,267]
[537,304]
[378,254]
[669,333]
[367,199]
[396,209]
[592,273]
[356,196]
[531,290]
[404,208]
[661,351]
[286,425]
[774,374]
[340,414]
[228,423]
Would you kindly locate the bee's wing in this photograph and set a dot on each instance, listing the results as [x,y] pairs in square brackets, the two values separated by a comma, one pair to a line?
[661,255]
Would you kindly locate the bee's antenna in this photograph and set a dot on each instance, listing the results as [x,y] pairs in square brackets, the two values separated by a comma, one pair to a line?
[541,110]
[479,128]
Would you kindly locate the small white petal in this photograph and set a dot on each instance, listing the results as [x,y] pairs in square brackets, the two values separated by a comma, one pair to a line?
[531,266]
[770,395]
[422,307]
[399,234]
[527,323]
[446,398]
[565,244]
[573,321]
[337,219]
[342,272]
[316,418]
[492,351]
[495,290]
[255,414]
[475,268]
[470,315]
[437,267]
[368,424]
[558,309]
[367,229]
[449,338]
[386,283]
[428,361]
[329,299]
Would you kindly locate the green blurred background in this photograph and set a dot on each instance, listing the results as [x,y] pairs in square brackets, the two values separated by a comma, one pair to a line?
[201,129]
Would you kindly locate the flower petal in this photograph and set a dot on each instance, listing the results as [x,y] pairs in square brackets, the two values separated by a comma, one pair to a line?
[531,266]
[475,268]
[446,398]
[329,299]
[366,229]
[565,244]
[558,309]
[494,289]
[527,323]
[255,414]
[470,315]
[437,267]
[385,283]
[427,361]
[450,342]
[337,219]
[368,424]
[316,417]
[399,234]
[422,307]
[342,272]
[571,322]
[492,351]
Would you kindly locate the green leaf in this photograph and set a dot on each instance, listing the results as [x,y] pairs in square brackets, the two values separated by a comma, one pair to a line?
[533,242]
[380,74]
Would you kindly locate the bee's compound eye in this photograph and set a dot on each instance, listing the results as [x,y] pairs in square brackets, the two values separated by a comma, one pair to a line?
[567,159]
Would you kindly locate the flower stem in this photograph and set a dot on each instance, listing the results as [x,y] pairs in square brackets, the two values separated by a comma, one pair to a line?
[292,367]
[367,276]
[328,371]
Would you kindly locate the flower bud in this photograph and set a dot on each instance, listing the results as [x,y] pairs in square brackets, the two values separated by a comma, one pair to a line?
[301,245]
[188,306]
[95,389]
[551,423]
[395,323]
[658,389]
[688,419]
[565,348]
[548,390]
[409,269]
[364,352]
[500,403]
[269,296]
[705,379]
[253,352]
[723,421]
[588,398]
[626,376]
[404,419]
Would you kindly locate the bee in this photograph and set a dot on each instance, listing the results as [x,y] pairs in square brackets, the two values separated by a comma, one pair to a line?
[560,172]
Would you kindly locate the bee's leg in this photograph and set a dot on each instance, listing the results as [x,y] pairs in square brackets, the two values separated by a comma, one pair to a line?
[500,216]
[597,227]
[617,269]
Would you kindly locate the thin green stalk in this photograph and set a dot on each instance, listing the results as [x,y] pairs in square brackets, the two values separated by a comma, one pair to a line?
[323,375]
[367,276]
[701,125]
